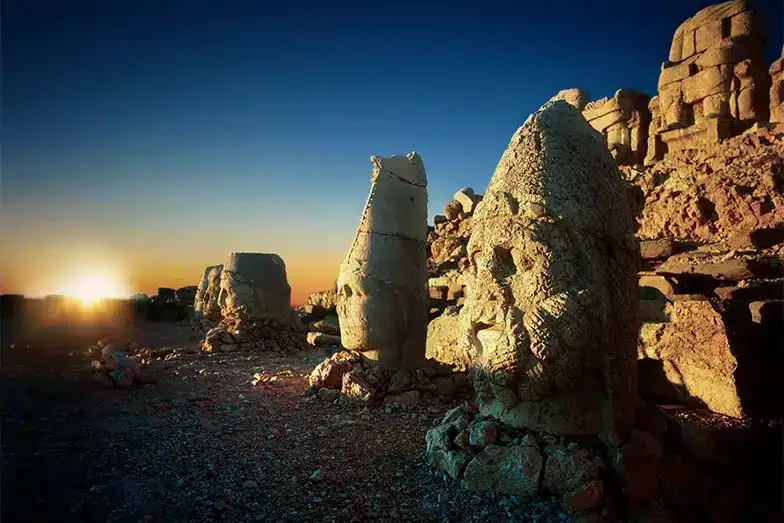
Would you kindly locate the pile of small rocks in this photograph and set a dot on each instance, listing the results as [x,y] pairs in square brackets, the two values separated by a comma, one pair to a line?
[320,316]
[446,247]
[266,334]
[111,365]
[349,377]
[669,463]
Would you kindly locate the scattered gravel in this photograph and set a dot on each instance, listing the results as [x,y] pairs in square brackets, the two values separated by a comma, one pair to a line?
[222,437]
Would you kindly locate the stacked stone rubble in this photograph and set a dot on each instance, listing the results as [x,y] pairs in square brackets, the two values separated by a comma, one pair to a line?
[623,120]
[711,223]
[350,377]
[446,248]
[321,318]
[715,83]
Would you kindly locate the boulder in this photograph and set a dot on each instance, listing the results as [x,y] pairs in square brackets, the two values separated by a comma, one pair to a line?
[690,340]
[568,469]
[549,321]
[329,373]
[442,345]
[467,199]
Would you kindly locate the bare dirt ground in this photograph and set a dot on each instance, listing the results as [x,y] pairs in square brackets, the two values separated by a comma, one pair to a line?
[204,444]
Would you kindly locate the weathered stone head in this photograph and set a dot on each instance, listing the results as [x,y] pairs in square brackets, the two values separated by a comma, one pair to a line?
[210,307]
[253,286]
[549,321]
[382,295]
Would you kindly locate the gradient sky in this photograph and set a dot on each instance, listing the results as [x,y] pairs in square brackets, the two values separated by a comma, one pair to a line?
[152,137]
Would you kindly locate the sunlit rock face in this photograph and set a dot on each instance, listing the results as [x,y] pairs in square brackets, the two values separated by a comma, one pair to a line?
[253,286]
[210,307]
[382,295]
[549,322]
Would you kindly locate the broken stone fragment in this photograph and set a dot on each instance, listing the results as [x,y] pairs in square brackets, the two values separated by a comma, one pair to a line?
[586,497]
[568,470]
[329,373]
[442,340]
[452,462]
[483,433]
[356,387]
[468,199]
[690,340]
[511,471]
[575,97]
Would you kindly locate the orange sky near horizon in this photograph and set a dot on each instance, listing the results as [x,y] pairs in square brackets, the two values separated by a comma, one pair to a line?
[49,264]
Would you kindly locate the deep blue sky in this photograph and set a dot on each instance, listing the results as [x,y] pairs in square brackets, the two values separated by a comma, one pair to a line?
[192,128]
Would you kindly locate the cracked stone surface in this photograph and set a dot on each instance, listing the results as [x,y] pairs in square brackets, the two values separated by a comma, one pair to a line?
[382,298]
[549,322]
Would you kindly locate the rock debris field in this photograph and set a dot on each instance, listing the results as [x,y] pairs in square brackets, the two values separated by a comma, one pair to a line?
[203,443]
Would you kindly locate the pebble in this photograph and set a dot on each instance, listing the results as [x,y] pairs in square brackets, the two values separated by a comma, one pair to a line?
[317,476]
[250,484]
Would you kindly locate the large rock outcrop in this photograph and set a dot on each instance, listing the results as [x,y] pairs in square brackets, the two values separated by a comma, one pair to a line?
[711,193]
[715,82]
[690,340]
[549,322]
[382,297]
[777,89]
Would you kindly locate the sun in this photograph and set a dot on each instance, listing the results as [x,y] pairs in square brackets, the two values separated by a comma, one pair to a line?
[89,289]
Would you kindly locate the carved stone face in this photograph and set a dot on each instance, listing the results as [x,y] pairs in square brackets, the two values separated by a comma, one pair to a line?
[525,320]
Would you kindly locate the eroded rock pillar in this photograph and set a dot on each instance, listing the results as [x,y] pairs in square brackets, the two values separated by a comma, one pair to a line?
[382,294]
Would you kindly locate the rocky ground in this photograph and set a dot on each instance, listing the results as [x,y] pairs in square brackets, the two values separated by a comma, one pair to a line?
[204,443]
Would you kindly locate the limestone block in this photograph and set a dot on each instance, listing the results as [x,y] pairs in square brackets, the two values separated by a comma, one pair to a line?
[549,318]
[575,97]
[713,80]
[442,333]
[467,199]
[382,293]
[254,286]
[677,72]
[691,342]
[607,120]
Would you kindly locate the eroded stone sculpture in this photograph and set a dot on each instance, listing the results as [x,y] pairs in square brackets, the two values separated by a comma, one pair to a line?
[777,90]
[549,321]
[253,286]
[714,84]
[205,304]
[382,295]
[623,120]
